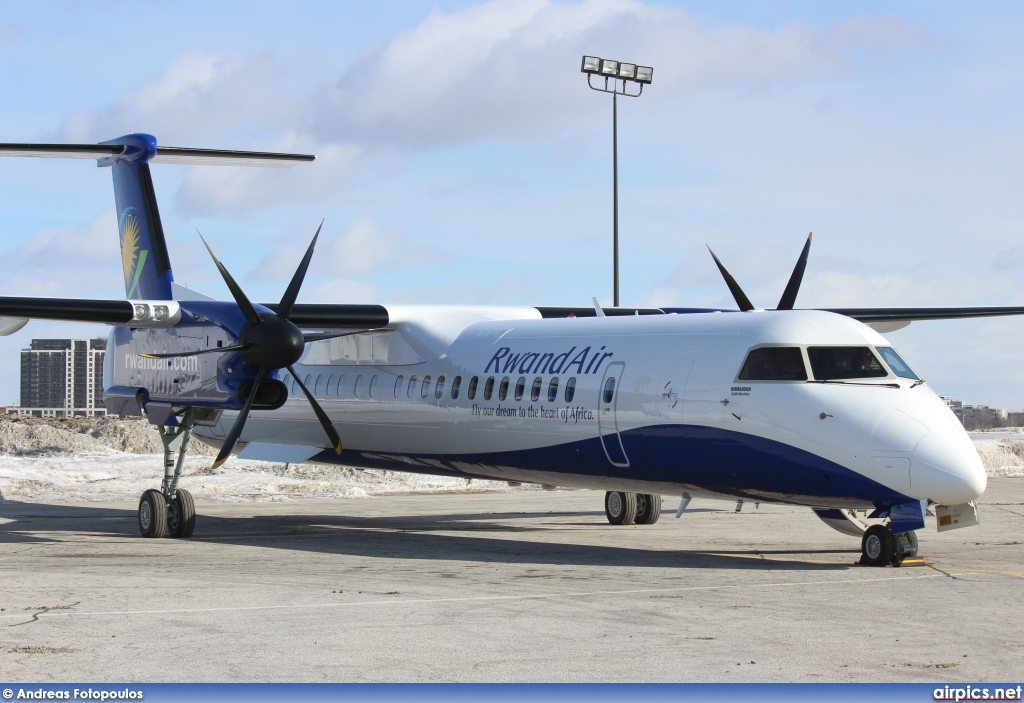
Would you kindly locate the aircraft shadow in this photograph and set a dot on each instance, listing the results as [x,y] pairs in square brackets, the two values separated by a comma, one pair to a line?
[434,537]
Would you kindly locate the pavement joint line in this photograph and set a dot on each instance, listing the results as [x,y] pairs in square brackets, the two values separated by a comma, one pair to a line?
[47,614]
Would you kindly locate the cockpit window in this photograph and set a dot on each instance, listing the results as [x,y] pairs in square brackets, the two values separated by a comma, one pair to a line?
[774,364]
[837,363]
[897,364]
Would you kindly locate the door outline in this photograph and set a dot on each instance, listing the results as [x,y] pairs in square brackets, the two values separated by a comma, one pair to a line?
[608,417]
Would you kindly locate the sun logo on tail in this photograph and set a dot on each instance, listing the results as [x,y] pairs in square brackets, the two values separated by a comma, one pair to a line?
[132,260]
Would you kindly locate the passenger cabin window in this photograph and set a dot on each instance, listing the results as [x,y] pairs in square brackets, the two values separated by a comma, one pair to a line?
[535,389]
[520,387]
[570,389]
[425,388]
[609,389]
[471,391]
[412,387]
[774,364]
[553,390]
[456,387]
[399,382]
[373,387]
[503,389]
[330,386]
[359,385]
[439,389]
[896,363]
[340,390]
[489,388]
[839,363]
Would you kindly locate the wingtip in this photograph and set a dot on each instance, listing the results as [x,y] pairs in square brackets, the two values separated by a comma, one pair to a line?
[337,448]
[217,464]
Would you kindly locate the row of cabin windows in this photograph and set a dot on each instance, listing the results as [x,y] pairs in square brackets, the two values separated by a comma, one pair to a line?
[337,386]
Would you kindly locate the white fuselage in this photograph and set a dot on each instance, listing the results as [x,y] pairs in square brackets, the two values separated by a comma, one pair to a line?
[657,406]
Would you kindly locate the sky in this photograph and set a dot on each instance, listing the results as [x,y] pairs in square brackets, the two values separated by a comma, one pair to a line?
[461,157]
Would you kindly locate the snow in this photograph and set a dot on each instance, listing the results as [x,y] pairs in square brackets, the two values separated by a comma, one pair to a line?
[87,460]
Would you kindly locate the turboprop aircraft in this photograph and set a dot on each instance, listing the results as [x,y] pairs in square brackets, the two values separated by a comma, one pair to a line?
[802,407]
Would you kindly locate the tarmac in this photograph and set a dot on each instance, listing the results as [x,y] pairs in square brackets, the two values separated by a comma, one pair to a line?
[528,586]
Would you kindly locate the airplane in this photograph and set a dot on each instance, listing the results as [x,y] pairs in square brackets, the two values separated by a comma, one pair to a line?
[805,407]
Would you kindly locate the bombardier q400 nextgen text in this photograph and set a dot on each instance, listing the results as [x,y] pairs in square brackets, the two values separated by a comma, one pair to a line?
[803,407]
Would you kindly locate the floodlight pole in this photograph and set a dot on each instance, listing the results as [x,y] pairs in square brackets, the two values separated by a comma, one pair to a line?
[616,92]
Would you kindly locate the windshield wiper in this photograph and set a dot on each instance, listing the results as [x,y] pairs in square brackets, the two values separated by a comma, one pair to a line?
[917,383]
[857,383]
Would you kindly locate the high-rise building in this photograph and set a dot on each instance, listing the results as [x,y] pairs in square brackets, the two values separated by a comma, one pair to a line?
[63,378]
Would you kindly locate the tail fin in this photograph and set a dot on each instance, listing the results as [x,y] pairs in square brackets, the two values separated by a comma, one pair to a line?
[144,258]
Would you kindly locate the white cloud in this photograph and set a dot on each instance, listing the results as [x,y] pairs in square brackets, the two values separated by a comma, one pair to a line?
[363,248]
[197,95]
[508,68]
[71,261]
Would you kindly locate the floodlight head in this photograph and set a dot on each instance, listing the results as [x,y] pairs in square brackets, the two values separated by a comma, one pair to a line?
[609,67]
[627,71]
[591,64]
[644,74]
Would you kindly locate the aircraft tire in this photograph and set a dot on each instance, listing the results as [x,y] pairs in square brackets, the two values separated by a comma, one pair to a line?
[620,508]
[152,514]
[648,508]
[181,515]
[877,547]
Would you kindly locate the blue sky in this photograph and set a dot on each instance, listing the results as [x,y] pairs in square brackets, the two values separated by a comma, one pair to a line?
[462,159]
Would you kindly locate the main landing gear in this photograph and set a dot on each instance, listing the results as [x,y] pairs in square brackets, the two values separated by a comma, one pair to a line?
[880,546]
[628,508]
[171,511]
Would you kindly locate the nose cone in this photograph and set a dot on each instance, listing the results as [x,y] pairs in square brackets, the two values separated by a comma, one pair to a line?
[946,468]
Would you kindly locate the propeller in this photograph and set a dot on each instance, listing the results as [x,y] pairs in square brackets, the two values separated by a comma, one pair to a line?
[268,341]
[788,299]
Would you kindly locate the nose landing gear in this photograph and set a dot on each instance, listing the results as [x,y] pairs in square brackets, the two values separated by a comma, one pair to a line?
[880,546]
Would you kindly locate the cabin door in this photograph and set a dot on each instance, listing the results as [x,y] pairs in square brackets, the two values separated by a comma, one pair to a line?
[607,418]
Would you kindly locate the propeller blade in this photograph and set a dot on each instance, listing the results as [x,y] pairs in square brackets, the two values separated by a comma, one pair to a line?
[737,293]
[788,299]
[332,433]
[233,347]
[236,291]
[318,336]
[236,429]
[288,299]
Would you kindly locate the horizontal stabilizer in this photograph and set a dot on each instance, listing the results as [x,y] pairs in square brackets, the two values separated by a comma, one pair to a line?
[62,151]
[221,157]
[164,154]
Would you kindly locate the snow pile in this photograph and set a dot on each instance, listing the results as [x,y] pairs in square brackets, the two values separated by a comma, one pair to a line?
[87,459]
[1001,451]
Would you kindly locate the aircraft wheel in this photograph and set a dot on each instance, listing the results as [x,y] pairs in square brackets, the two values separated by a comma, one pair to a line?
[877,547]
[152,514]
[620,507]
[648,508]
[181,514]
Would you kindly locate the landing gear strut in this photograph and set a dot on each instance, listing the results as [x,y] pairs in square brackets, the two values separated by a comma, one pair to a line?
[628,508]
[171,510]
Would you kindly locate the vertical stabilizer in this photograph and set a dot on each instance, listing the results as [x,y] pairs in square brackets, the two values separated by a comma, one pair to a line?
[144,259]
